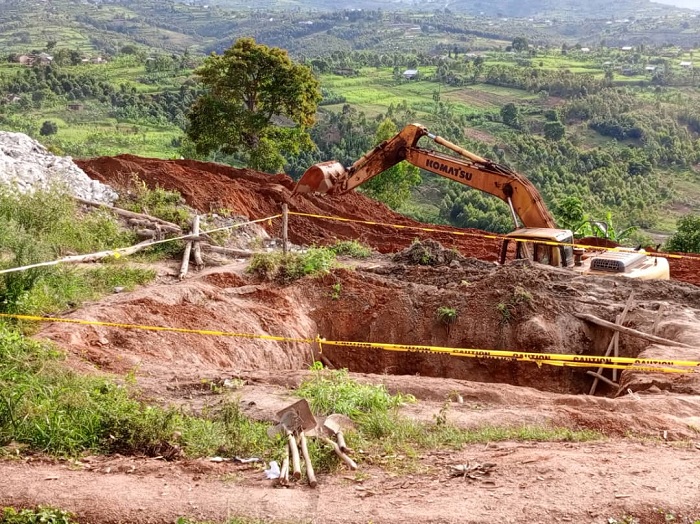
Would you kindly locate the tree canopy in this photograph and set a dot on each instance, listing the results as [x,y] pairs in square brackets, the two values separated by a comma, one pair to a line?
[687,238]
[257,102]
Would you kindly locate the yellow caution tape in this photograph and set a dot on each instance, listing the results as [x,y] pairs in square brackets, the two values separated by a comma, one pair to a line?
[544,358]
[553,359]
[157,328]
[477,235]
[117,253]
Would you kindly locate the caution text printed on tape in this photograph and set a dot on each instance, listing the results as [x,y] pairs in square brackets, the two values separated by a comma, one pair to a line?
[554,359]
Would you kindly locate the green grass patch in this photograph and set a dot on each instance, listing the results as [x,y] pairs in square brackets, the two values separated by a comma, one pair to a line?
[67,287]
[384,434]
[49,408]
[40,515]
[335,392]
[162,203]
[44,226]
[351,248]
[292,266]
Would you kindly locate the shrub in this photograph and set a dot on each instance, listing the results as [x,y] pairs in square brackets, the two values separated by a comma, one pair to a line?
[687,238]
[293,266]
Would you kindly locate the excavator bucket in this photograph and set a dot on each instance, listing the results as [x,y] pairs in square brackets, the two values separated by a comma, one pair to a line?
[320,178]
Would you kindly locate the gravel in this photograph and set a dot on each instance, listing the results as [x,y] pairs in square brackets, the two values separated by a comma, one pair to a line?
[27,165]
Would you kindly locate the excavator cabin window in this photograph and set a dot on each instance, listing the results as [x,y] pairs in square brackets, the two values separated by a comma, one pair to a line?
[551,255]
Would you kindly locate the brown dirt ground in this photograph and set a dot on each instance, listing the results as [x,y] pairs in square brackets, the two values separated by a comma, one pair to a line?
[207,187]
[636,472]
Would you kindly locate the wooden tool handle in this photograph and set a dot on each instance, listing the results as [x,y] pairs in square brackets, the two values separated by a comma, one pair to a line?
[284,471]
[351,463]
[307,460]
[296,463]
[341,442]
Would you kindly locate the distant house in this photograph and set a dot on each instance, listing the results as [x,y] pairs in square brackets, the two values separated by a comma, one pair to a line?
[585,50]
[628,71]
[650,68]
[76,107]
[33,58]
[686,65]
[44,58]
[410,74]
[626,48]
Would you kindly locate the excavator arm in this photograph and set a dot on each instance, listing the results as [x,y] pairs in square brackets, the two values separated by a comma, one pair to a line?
[468,169]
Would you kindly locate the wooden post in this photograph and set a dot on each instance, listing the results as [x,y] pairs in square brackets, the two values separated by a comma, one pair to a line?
[659,316]
[185,259]
[196,246]
[285,225]
[633,332]
[613,342]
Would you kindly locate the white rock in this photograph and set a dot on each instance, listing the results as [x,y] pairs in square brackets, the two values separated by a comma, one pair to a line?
[27,165]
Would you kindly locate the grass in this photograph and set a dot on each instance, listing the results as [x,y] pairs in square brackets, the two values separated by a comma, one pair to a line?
[351,248]
[47,225]
[292,266]
[384,434]
[40,515]
[162,203]
[49,408]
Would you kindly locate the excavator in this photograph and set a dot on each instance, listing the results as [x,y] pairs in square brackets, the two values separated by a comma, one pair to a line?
[538,239]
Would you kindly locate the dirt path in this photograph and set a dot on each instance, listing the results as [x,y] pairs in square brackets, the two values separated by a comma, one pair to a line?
[540,482]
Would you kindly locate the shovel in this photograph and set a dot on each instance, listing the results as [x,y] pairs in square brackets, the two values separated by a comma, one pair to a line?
[322,432]
[335,424]
[294,418]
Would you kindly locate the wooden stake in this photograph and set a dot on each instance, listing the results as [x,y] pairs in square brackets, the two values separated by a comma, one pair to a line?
[285,225]
[659,316]
[307,460]
[598,376]
[296,463]
[131,214]
[351,463]
[613,342]
[633,332]
[616,345]
[185,260]
[196,245]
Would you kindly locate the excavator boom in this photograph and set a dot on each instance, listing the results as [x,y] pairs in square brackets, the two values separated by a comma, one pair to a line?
[467,168]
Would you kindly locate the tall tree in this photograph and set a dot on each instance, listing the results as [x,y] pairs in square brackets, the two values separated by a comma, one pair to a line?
[393,186]
[257,102]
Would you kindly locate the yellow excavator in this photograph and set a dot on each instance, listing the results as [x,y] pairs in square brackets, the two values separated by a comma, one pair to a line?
[538,239]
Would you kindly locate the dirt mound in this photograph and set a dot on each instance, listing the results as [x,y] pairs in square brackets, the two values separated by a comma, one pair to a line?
[209,187]
[428,253]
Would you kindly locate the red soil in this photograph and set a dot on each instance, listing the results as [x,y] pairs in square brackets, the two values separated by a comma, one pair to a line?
[208,187]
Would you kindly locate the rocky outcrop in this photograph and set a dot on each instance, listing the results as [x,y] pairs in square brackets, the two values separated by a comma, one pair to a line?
[26,165]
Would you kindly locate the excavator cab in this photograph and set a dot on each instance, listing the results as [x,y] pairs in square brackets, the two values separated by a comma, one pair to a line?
[551,247]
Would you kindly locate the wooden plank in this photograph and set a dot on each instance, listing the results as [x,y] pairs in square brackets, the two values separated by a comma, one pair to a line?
[598,376]
[285,227]
[632,332]
[614,340]
[196,245]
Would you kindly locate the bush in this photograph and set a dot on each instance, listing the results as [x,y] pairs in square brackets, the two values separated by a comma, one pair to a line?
[293,266]
[41,227]
[687,238]
[48,128]
[351,248]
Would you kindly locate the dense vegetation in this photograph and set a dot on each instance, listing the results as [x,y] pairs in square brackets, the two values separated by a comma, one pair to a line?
[616,129]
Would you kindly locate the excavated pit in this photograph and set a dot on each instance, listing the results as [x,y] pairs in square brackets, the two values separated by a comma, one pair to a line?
[523,308]
[520,308]
[491,314]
